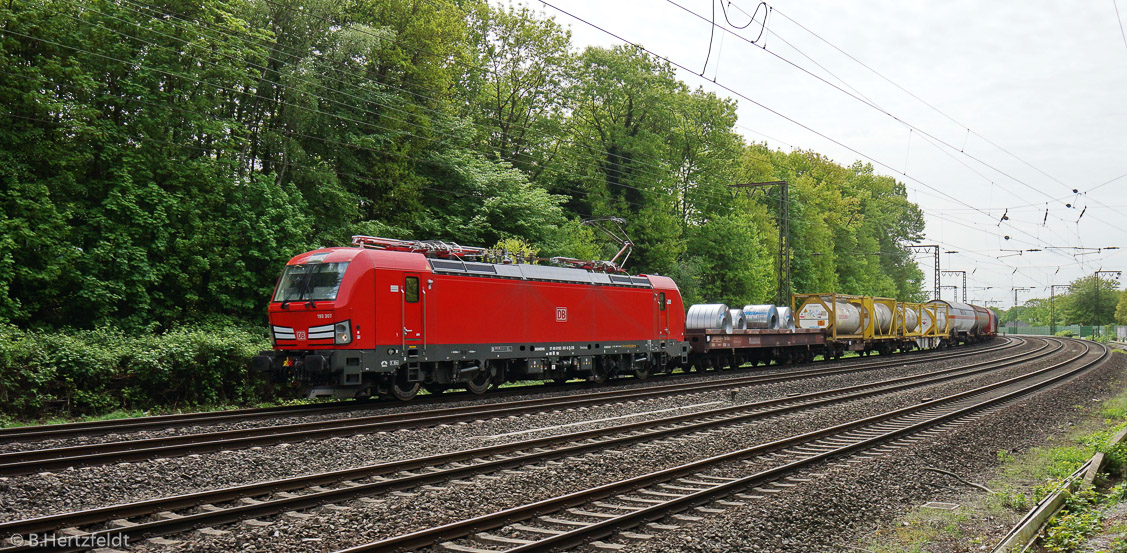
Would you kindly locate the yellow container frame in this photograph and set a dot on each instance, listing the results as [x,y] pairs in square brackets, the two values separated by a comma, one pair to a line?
[901,320]
[866,304]
[934,309]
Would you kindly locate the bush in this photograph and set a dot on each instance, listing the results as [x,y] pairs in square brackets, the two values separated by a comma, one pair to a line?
[1066,334]
[1070,531]
[89,372]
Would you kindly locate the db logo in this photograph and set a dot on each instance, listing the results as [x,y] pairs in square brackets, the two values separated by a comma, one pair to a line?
[561,314]
[301,335]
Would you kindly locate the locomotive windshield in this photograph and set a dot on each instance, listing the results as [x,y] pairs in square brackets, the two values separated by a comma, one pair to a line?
[310,282]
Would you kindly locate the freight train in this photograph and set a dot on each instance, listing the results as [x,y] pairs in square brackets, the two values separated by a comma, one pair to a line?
[389,317]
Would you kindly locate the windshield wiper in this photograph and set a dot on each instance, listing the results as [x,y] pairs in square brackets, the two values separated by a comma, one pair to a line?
[305,288]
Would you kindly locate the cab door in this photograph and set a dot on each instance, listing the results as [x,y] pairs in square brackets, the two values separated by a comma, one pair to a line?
[662,315]
[414,322]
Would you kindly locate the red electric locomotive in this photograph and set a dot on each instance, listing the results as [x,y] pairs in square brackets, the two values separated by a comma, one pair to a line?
[388,317]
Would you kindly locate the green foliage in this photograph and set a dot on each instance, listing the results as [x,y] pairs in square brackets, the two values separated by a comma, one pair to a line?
[1091,301]
[1070,531]
[731,262]
[516,249]
[1115,456]
[96,371]
[1035,312]
[1082,516]
[517,89]
[160,166]
[1011,499]
[1115,409]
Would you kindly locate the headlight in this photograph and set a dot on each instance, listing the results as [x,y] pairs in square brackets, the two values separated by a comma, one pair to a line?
[342,333]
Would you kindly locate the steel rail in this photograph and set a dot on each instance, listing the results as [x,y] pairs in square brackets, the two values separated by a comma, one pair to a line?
[525,452]
[56,431]
[38,460]
[464,528]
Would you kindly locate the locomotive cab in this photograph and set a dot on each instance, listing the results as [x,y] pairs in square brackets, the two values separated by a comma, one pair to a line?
[321,320]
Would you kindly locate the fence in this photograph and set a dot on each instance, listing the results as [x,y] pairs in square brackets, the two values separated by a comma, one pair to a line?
[1077,330]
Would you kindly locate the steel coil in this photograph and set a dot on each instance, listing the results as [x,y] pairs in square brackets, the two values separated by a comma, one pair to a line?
[708,316]
[786,318]
[761,316]
[738,321]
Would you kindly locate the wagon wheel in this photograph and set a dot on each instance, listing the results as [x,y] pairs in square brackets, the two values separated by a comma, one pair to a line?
[480,384]
[435,388]
[642,372]
[734,363]
[602,370]
[600,375]
[404,390]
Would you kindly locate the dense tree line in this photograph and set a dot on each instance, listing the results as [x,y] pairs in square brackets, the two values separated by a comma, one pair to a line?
[160,161]
[1089,300]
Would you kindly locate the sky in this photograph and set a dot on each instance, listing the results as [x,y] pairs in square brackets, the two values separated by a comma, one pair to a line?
[983,110]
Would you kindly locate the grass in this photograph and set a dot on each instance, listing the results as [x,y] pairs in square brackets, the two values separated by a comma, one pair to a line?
[7,422]
[913,532]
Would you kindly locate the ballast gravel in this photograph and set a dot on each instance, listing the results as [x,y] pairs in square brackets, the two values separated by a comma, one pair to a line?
[86,487]
[832,512]
[360,410]
[340,526]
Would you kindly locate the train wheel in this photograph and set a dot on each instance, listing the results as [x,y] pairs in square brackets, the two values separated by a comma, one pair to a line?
[642,373]
[480,384]
[403,390]
[602,370]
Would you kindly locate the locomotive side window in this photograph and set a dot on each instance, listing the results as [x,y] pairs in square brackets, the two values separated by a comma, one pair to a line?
[310,282]
[411,289]
[661,301]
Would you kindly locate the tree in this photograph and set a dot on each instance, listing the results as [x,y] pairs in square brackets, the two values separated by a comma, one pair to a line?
[1034,312]
[160,164]
[1121,309]
[1091,301]
[518,90]
[728,257]
[617,155]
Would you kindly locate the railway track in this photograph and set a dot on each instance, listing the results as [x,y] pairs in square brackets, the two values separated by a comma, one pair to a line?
[242,502]
[39,460]
[584,516]
[59,431]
